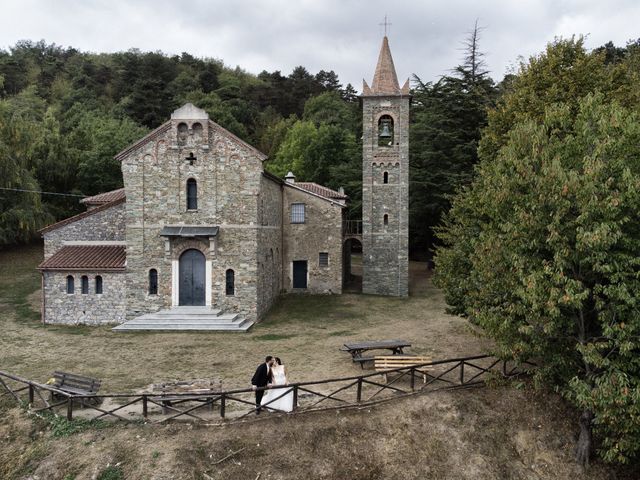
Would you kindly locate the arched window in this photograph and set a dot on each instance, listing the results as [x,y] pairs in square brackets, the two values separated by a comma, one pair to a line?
[70,284]
[85,284]
[183,132]
[385,219]
[385,177]
[385,131]
[98,284]
[230,282]
[153,282]
[192,194]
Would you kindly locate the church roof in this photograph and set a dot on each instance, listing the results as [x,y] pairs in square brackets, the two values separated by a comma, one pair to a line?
[87,257]
[82,215]
[320,190]
[106,197]
[385,80]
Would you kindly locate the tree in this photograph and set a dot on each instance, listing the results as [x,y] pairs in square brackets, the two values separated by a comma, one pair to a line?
[542,251]
[447,119]
[21,210]
[95,141]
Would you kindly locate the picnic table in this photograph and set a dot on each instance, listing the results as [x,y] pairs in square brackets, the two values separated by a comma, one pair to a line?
[357,349]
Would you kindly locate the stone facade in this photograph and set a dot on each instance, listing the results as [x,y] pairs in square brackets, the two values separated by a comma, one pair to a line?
[190,175]
[321,232]
[105,225]
[385,198]
[78,308]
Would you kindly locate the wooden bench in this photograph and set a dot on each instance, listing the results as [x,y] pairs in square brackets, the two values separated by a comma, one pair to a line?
[75,384]
[391,362]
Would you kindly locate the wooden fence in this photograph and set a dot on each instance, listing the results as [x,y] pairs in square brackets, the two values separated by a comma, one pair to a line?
[237,404]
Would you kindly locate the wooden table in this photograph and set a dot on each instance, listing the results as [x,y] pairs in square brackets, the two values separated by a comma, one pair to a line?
[357,349]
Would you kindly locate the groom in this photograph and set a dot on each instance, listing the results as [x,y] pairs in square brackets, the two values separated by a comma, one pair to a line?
[261,379]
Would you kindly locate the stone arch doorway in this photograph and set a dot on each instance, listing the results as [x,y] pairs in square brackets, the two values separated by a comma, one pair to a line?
[192,278]
[352,265]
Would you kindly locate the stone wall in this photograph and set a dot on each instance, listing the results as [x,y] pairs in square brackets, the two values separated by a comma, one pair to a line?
[321,232]
[107,225]
[228,175]
[78,308]
[385,247]
[269,244]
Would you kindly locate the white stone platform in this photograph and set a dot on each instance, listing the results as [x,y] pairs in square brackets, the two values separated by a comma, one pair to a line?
[178,319]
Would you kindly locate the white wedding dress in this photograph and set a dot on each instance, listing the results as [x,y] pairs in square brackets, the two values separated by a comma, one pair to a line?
[285,402]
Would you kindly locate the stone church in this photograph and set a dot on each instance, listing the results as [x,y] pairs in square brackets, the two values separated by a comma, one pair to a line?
[201,237]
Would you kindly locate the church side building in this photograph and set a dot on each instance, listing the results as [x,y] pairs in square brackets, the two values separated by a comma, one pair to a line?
[385,181]
[199,226]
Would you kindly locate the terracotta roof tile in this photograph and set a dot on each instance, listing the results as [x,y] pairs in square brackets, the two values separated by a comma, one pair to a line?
[320,190]
[87,257]
[82,215]
[105,197]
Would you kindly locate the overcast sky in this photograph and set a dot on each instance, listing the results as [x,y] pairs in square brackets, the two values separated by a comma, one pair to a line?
[340,35]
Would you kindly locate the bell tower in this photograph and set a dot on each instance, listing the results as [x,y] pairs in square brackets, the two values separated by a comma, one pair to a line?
[385,181]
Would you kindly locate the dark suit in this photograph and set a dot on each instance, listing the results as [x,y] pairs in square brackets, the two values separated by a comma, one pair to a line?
[261,378]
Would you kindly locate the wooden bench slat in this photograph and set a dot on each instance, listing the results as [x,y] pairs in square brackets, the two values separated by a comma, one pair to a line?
[74,383]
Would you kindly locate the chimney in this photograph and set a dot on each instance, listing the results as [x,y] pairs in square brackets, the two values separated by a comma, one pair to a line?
[290,178]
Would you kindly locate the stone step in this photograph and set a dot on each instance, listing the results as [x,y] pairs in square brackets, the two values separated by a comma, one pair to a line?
[191,311]
[176,318]
[187,319]
[241,326]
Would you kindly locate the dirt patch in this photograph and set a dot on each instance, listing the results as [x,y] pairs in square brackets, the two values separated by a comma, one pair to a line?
[480,434]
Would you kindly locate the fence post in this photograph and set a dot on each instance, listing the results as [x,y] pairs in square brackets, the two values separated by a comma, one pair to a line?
[145,411]
[69,408]
[31,394]
[223,405]
[359,390]
[462,373]
[295,397]
[504,368]
[413,378]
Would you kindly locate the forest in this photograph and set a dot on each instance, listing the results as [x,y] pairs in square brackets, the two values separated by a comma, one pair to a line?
[64,114]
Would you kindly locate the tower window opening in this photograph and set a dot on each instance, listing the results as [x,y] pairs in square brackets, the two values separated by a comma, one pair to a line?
[385,220]
[385,177]
[385,131]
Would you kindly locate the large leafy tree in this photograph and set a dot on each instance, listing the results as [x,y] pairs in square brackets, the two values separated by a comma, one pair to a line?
[542,249]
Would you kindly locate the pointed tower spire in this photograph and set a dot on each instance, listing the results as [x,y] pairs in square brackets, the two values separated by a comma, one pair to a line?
[385,80]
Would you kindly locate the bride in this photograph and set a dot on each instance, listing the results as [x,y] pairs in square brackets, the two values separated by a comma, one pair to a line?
[285,401]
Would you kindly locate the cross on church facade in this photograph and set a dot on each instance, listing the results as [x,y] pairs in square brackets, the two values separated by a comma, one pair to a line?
[385,24]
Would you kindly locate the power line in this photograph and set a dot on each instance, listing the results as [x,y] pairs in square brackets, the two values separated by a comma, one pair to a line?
[42,193]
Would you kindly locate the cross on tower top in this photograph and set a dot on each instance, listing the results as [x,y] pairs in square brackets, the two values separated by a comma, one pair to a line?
[385,24]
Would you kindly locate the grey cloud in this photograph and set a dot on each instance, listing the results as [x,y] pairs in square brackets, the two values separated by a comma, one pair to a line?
[343,36]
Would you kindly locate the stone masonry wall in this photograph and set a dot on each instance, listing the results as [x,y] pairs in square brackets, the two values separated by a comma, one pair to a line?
[321,232]
[269,244]
[385,247]
[107,225]
[78,308]
[228,175]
